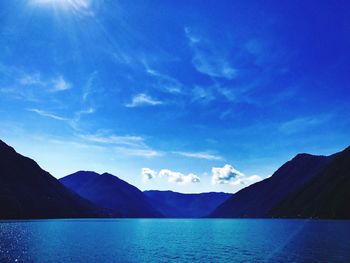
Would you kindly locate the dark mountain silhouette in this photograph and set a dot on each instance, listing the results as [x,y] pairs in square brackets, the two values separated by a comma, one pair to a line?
[108,191]
[260,198]
[178,205]
[27,191]
[306,186]
[327,195]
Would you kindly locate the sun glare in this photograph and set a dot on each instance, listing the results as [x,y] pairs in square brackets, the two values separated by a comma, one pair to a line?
[81,6]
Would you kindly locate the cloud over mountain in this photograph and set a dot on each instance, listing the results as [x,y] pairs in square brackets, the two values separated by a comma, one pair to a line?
[171,176]
[148,174]
[176,177]
[229,175]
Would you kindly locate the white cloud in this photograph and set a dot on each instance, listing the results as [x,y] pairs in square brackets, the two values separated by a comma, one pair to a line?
[170,176]
[148,174]
[225,175]
[229,175]
[143,100]
[200,155]
[209,59]
[179,178]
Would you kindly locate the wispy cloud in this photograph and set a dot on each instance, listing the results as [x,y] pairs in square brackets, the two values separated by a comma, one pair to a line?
[200,155]
[31,79]
[203,95]
[102,137]
[88,88]
[60,84]
[225,114]
[31,85]
[128,145]
[145,152]
[48,114]
[229,175]
[216,91]
[69,143]
[143,100]
[164,82]
[303,123]
[208,59]
[73,121]
[54,84]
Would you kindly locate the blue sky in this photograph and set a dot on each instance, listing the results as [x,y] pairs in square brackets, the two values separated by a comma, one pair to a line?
[179,95]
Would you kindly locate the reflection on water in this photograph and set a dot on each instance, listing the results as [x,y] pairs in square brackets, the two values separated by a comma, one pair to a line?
[177,240]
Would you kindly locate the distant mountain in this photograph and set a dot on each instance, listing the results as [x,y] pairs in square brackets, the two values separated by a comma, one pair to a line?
[327,195]
[177,205]
[260,198]
[108,191]
[27,191]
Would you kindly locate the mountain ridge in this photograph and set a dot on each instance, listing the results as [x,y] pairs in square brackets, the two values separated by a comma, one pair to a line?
[331,202]
[110,192]
[306,186]
[320,189]
[258,199]
[27,191]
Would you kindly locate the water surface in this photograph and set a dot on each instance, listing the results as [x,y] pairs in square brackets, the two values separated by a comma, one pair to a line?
[175,240]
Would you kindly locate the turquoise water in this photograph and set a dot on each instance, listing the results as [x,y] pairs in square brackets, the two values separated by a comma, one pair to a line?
[175,240]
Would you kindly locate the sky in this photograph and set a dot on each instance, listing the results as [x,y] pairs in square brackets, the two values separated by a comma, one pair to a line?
[190,96]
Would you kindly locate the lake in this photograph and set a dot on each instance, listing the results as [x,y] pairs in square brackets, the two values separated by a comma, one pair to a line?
[175,240]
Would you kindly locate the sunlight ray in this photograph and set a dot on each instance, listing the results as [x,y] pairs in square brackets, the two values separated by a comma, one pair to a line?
[82,7]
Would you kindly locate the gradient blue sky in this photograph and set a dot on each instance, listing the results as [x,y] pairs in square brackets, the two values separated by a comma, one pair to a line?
[183,86]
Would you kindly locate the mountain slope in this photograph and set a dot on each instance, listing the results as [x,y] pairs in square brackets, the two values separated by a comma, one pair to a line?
[108,191]
[177,205]
[327,195]
[258,199]
[27,191]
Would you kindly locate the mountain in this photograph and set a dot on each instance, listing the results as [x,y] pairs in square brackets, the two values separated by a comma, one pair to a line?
[108,191]
[27,191]
[177,205]
[327,195]
[260,198]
